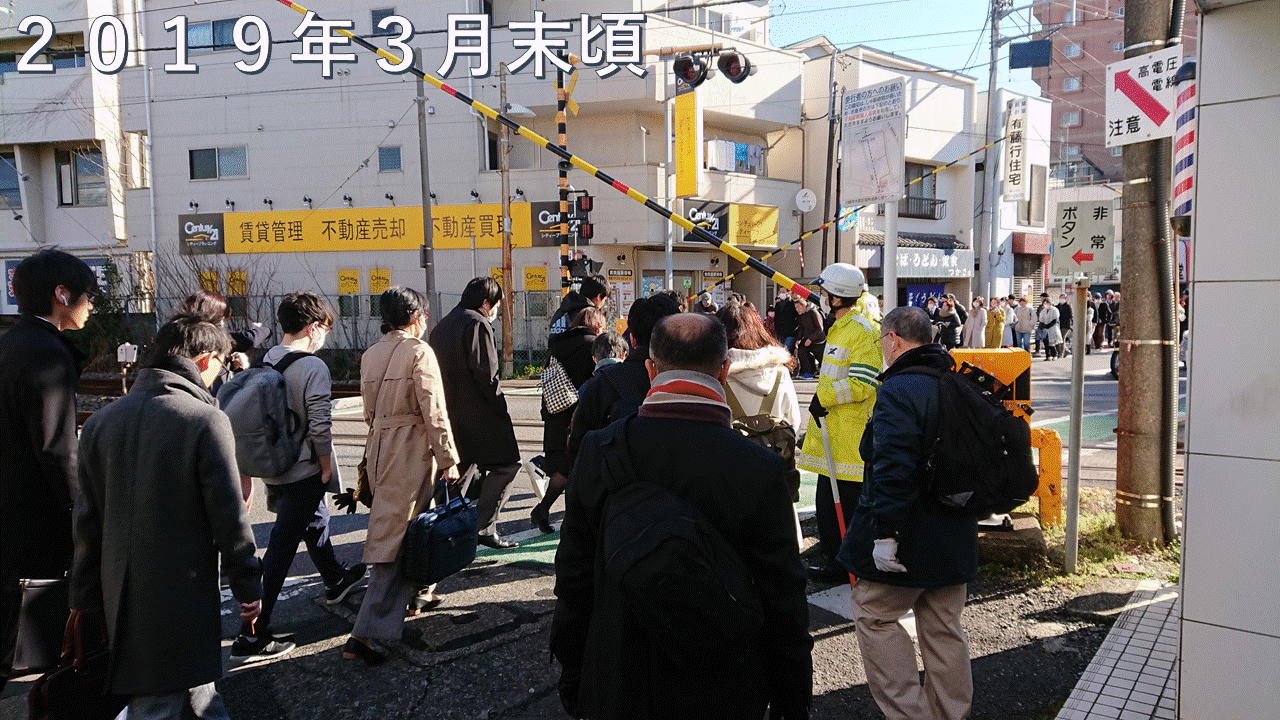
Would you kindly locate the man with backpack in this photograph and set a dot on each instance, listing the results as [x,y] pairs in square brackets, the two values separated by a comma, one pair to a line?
[616,391]
[297,495]
[909,551]
[680,592]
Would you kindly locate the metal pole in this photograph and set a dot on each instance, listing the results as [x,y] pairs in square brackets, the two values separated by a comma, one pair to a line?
[987,275]
[889,263]
[424,174]
[508,291]
[562,139]
[1078,343]
[669,242]
[831,153]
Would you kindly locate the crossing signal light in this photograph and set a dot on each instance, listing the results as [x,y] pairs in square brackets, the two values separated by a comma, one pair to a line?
[585,204]
[734,66]
[690,69]
[586,231]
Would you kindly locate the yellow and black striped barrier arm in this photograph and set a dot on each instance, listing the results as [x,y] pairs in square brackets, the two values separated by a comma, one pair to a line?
[688,226]
[850,211]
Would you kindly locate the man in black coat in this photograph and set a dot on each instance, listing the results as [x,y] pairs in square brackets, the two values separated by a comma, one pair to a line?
[616,391]
[681,441]
[908,551]
[593,291]
[39,373]
[785,320]
[469,367]
[158,512]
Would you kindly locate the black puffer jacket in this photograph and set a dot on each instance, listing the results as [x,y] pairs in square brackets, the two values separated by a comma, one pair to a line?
[938,546]
[573,349]
[570,306]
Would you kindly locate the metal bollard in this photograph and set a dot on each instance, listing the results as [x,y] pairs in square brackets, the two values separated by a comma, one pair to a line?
[1049,443]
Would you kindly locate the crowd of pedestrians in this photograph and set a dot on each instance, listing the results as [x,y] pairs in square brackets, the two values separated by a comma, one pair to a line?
[150,502]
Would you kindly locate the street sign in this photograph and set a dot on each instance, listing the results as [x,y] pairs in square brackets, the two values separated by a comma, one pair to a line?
[873,121]
[1141,97]
[1015,149]
[1083,238]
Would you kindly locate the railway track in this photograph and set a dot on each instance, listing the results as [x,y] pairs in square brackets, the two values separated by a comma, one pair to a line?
[111,387]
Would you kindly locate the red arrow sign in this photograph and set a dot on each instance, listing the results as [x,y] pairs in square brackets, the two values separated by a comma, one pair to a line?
[1081,256]
[1146,102]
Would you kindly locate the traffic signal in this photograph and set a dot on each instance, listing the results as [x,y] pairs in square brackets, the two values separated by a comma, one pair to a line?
[734,66]
[690,69]
[586,204]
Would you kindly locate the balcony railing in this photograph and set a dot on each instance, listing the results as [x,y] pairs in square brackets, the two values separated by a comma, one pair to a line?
[919,207]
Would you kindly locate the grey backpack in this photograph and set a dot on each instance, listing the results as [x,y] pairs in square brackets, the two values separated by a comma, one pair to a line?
[268,441]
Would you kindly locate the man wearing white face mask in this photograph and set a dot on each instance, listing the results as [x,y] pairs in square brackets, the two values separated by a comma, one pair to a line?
[469,367]
[298,496]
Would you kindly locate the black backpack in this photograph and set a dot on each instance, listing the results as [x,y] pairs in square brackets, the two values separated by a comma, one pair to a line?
[981,462]
[684,584]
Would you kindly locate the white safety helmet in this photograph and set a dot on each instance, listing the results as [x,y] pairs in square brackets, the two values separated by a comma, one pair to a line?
[842,280]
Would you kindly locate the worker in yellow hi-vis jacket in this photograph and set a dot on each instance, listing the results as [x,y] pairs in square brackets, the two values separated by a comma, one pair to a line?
[843,401]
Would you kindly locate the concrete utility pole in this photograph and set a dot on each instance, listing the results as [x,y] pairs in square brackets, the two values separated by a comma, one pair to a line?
[991,206]
[1141,423]
[832,119]
[428,252]
[508,307]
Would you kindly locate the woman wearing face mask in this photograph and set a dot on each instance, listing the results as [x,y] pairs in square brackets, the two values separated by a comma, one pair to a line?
[995,323]
[975,326]
[410,442]
[948,324]
[1048,319]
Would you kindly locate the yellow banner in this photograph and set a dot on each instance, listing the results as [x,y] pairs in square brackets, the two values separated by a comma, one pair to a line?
[753,225]
[688,150]
[535,278]
[453,226]
[379,281]
[389,228]
[237,282]
[348,282]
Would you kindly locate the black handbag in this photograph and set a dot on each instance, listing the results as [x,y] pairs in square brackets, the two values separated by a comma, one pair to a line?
[440,541]
[77,688]
[41,625]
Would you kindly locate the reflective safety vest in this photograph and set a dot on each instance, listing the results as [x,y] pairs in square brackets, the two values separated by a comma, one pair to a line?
[847,389]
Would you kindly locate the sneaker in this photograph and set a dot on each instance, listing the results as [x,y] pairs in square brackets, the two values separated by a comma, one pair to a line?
[264,646]
[334,594]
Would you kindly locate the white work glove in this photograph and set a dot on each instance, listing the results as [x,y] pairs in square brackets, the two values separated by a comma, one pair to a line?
[260,332]
[886,556]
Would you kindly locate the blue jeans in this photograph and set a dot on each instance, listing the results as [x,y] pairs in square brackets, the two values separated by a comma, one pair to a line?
[1022,340]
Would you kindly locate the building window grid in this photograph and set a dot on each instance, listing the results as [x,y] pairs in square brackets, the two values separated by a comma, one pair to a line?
[82,178]
[1117,152]
[1117,46]
[1071,51]
[218,163]
[389,159]
[1071,118]
[211,36]
[1070,84]
[10,187]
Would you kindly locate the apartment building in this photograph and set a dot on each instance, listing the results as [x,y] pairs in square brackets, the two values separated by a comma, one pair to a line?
[1087,36]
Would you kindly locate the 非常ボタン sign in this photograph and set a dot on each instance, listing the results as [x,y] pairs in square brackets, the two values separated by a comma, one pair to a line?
[1141,97]
[1083,237]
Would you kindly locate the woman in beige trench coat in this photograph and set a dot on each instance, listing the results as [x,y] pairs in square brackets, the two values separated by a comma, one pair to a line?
[410,441]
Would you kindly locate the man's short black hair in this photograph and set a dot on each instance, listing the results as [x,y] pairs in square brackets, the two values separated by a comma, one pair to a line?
[300,309]
[188,336]
[690,341]
[593,286]
[37,276]
[646,312]
[478,291]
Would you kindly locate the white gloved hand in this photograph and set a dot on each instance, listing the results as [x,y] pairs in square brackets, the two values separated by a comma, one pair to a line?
[260,332]
[886,556]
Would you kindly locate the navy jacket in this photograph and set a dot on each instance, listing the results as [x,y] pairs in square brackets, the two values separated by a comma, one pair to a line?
[937,545]
[469,367]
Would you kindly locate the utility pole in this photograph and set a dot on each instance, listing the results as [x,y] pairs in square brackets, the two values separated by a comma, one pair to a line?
[1141,425]
[831,154]
[991,161]
[508,307]
[424,173]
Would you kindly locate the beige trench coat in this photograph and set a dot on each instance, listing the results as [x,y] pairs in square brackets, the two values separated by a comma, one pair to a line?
[409,438]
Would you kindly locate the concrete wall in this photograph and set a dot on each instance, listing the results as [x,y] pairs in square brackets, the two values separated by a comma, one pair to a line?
[1230,638]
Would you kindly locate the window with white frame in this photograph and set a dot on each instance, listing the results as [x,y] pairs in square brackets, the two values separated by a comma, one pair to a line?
[1117,46]
[1071,51]
[1070,84]
[389,158]
[205,37]
[219,163]
[1119,12]
[1072,17]
[82,178]
[1117,152]
[1071,118]
[1070,151]
[10,190]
